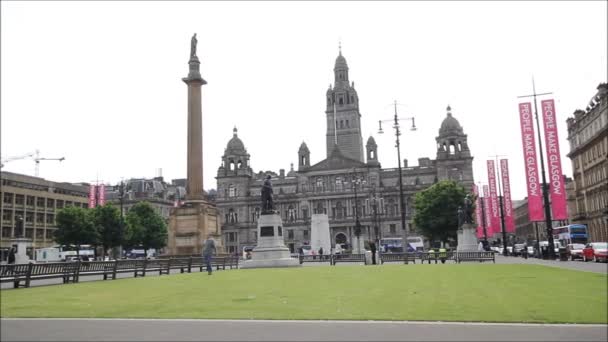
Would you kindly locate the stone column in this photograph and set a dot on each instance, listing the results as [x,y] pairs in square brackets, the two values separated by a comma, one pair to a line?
[194,184]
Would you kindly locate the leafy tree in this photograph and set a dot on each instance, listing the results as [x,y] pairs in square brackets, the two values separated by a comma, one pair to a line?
[107,222]
[145,227]
[75,228]
[436,207]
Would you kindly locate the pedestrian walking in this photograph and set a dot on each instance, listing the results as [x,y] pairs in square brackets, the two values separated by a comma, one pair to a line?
[208,252]
[320,253]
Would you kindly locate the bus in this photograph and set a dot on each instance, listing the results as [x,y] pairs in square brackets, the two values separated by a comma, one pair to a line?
[572,233]
[395,245]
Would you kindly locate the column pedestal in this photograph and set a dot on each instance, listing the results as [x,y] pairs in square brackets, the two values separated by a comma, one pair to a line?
[467,238]
[271,250]
[22,244]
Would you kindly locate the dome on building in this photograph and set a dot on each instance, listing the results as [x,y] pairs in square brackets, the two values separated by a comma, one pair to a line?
[371,141]
[450,124]
[235,144]
[341,62]
[303,148]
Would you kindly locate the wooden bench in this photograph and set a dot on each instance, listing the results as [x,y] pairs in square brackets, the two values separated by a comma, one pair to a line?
[182,264]
[398,257]
[105,268]
[315,258]
[15,273]
[216,262]
[475,256]
[348,258]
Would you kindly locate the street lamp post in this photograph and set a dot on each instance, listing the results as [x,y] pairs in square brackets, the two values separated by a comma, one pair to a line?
[483,221]
[375,207]
[396,120]
[545,186]
[121,196]
[356,181]
[505,252]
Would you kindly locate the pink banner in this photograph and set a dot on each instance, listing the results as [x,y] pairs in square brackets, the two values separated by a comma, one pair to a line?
[554,163]
[506,191]
[535,199]
[478,216]
[92,196]
[494,209]
[487,211]
[102,194]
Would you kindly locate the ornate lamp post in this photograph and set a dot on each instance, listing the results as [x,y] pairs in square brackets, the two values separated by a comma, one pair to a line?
[356,180]
[396,126]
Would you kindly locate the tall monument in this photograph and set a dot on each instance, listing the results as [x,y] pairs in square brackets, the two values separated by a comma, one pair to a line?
[192,222]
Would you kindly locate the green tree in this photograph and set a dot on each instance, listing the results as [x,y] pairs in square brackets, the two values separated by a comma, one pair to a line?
[107,222]
[145,228]
[75,228]
[436,207]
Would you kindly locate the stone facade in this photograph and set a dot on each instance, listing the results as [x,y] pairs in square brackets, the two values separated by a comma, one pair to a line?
[328,186]
[588,137]
[37,201]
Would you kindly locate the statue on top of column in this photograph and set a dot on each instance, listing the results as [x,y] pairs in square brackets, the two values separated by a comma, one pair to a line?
[193,43]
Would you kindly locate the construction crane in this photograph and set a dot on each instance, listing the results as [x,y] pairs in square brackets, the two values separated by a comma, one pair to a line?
[35,155]
[38,159]
[27,155]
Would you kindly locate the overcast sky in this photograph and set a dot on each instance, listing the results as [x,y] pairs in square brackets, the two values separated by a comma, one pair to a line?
[99,83]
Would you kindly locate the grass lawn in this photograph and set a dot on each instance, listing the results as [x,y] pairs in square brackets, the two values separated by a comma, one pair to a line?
[464,292]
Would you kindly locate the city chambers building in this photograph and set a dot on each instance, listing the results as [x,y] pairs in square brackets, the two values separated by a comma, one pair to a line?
[348,183]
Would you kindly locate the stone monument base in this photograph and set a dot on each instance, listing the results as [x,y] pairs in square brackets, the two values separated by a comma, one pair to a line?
[467,238]
[189,226]
[22,245]
[271,250]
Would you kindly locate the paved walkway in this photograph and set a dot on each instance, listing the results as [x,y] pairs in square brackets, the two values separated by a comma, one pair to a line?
[259,330]
[578,265]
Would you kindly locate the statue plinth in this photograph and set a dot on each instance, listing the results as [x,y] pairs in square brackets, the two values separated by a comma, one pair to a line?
[22,244]
[270,250]
[467,238]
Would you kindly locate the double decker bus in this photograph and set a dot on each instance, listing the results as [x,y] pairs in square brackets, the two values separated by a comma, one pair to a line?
[572,233]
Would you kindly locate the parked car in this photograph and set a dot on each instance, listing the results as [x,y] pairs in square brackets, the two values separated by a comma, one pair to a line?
[575,251]
[530,251]
[519,248]
[596,251]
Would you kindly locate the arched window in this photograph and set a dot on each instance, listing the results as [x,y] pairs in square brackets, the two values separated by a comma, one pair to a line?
[341,123]
[291,213]
[452,148]
[341,101]
[232,216]
[372,155]
[239,164]
[339,210]
[231,191]
[231,165]
[340,238]
[459,146]
[347,124]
